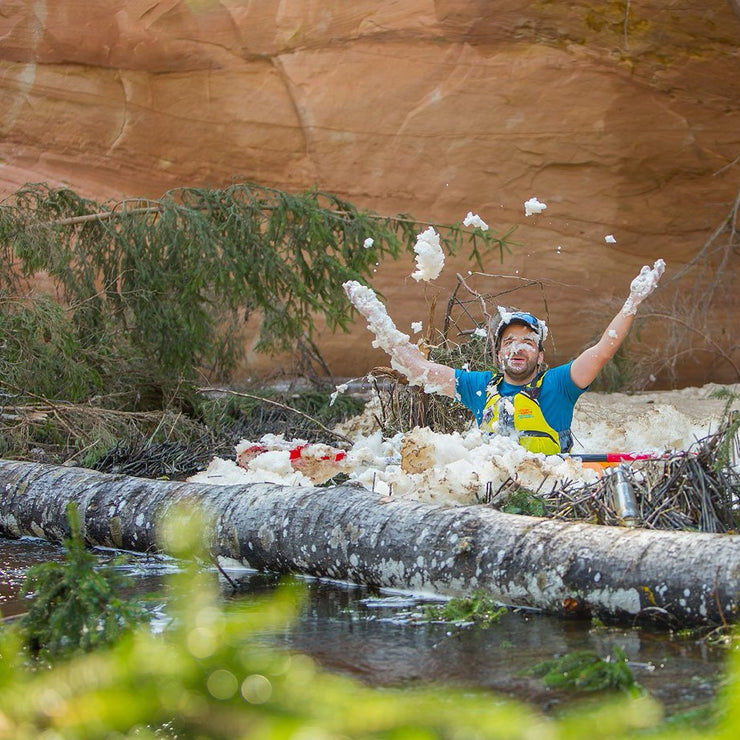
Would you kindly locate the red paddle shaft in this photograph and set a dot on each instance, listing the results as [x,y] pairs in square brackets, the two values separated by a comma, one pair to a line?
[615,456]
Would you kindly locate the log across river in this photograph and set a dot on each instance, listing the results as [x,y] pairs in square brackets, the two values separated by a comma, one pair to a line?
[349,533]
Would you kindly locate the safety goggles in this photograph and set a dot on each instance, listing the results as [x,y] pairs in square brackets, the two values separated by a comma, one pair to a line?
[523,317]
[530,320]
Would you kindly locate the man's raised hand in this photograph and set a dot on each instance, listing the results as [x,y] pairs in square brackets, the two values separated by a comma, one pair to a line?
[643,285]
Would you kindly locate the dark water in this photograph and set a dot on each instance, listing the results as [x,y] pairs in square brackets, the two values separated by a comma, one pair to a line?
[379,639]
[375,638]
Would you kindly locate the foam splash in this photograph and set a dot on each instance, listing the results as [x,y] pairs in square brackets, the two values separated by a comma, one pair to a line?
[429,256]
[533,207]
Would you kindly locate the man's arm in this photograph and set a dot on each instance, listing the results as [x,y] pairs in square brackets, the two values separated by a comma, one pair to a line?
[588,364]
[433,377]
[405,357]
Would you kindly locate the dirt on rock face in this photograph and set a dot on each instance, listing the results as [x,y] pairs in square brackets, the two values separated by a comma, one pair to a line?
[623,118]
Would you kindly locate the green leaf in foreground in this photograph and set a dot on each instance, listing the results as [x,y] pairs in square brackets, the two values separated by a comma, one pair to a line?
[211,674]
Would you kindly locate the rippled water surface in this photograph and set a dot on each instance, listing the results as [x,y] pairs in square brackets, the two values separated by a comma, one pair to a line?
[379,638]
[376,638]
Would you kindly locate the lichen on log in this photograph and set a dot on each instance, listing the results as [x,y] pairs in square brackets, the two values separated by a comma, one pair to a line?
[346,532]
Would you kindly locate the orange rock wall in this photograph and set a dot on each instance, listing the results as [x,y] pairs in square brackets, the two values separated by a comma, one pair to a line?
[623,117]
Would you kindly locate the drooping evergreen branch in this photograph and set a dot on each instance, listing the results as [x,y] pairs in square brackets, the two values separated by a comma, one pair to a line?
[175,277]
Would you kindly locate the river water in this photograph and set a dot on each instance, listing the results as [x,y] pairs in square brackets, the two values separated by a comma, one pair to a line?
[378,638]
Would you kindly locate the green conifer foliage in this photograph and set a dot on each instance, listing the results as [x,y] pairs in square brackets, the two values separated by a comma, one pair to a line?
[76,605]
[172,280]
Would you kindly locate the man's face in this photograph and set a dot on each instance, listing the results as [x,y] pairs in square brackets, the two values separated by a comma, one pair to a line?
[519,354]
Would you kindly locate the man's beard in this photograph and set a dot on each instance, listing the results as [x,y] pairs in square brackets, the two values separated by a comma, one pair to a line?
[520,372]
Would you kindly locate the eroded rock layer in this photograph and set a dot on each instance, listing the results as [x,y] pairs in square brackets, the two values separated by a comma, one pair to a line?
[624,118]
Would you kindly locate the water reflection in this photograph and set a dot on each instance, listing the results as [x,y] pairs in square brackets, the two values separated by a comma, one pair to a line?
[16,556]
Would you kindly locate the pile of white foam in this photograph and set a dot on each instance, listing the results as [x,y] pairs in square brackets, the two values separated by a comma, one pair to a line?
[455,469]
[461,469]
[422,465]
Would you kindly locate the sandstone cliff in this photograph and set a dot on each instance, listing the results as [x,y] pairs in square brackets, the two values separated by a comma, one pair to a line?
[623,117]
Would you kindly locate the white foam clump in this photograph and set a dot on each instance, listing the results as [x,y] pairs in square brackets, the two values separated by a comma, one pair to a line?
[368,243]
[416,326]
[643,285]
[533,206]
[338,390]
[473,219]
[609,239]
[429,256]
[274,459]
[271,466]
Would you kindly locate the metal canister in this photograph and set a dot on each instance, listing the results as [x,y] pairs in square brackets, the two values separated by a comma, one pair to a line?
[624,500]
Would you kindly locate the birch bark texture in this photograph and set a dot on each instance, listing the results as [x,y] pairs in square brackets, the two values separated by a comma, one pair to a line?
[349,533]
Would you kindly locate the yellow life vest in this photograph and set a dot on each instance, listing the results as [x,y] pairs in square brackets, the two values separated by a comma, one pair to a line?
[520,415]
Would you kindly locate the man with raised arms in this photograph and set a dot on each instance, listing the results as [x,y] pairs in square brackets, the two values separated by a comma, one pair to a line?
[517,399]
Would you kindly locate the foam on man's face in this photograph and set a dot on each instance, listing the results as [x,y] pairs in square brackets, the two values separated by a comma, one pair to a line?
[519,352]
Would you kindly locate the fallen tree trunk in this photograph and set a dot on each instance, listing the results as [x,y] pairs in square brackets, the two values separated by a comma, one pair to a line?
[348,533]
